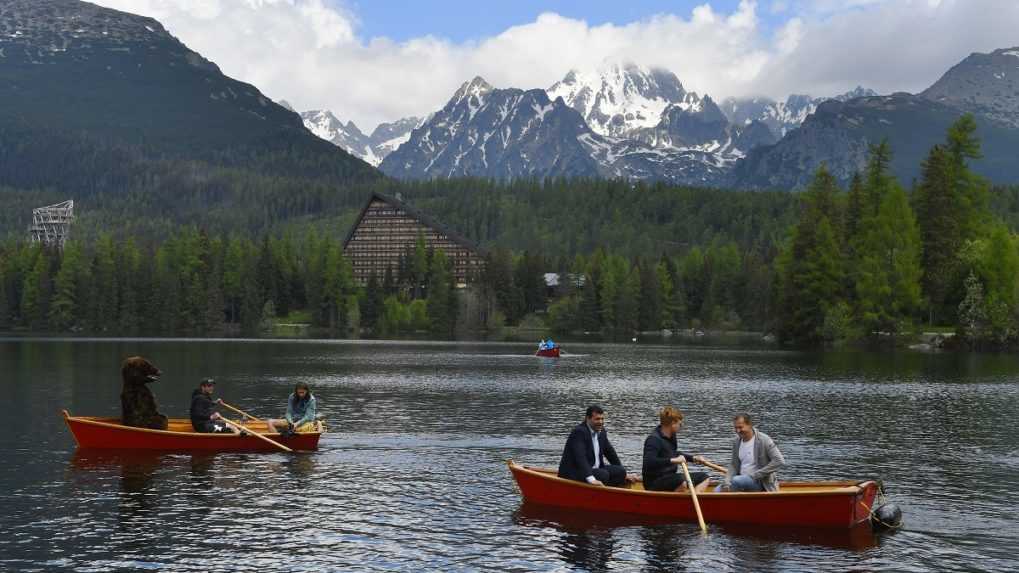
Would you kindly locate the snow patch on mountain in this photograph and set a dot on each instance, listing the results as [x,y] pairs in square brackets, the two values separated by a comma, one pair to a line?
[782,116]
[385,139]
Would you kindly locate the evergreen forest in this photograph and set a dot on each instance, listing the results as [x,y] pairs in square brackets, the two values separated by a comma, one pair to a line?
[196,249]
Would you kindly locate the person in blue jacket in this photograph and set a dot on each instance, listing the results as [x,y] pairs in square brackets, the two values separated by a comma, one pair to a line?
[301,411]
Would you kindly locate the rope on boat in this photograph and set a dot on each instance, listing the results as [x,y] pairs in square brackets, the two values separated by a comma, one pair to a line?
[873,512]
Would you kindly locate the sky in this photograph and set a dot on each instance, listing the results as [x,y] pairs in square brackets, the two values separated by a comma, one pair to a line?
[380,60]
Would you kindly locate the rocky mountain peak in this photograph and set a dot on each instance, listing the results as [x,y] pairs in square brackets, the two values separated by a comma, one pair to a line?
[45,29]
[477,88]
[858,91]
[985,84]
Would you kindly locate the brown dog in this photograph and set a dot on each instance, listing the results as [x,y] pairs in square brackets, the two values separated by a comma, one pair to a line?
[137,403]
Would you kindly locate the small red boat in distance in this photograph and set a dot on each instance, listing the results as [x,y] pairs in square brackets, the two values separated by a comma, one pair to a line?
[548,352]
[97,433]
[828,504]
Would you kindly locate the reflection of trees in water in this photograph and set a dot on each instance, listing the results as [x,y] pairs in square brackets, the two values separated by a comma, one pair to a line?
[589,539]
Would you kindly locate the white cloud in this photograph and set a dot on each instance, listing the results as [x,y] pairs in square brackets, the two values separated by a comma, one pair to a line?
[310,53]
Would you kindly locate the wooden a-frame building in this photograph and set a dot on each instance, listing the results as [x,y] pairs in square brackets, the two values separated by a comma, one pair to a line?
[387,228]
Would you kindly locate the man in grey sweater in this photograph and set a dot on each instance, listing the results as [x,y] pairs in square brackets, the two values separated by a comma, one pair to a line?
[755,459]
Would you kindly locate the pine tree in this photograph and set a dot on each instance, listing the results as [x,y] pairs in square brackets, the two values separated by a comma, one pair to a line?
[36,292]
[650,298]
[888,272]
[670,296]
[268,276]
[104,272]
[130,283]
[233,270]
[589,311]
[64,311]
[941,235]
[374,297]
[440,321]
[855,201]
[971,190]
[5,311]
[215,308]
[419,266]
[627,305]
[811,266]
[694,278]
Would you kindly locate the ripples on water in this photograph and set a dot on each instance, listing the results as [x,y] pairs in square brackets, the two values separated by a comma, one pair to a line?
[412,475]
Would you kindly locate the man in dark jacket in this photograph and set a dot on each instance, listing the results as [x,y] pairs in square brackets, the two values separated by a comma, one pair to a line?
[204,416]
[662,457]
[586,450]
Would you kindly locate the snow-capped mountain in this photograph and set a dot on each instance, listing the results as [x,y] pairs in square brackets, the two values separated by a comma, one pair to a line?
[782,117]
[507,133]
[500,133]
[372,148]
[637,123]
[619,99]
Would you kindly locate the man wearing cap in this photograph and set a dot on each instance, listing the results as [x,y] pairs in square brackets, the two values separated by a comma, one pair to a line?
[204,417]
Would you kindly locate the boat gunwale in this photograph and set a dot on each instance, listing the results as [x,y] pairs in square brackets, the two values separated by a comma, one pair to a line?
[90,420]
[839,488]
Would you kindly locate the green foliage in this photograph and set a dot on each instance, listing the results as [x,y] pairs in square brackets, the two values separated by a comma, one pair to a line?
[888,266]
[811,265]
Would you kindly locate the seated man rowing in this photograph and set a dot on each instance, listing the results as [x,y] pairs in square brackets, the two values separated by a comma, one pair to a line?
[755,459]
[662,457]
[204,417]
[586,450]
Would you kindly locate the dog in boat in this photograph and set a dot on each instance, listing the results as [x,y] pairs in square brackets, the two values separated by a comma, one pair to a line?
[137,403]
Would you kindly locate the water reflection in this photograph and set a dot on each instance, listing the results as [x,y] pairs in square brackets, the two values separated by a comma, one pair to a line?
[859,538]
[587,540]
[412,474]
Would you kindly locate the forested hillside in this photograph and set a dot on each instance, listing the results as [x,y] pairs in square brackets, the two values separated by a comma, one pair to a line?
[832,264]
[109,109]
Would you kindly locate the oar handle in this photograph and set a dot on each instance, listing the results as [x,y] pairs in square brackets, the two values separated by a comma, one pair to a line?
[241,412]
[250,432]
[714,466]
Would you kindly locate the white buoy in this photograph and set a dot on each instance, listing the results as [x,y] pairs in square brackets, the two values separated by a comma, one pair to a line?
[635,339]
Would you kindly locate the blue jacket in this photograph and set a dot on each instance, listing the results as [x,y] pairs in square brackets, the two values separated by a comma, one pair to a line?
[301,411]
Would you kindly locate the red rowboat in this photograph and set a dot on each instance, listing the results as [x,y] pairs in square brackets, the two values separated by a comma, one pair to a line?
[548,352]
[108,433]
[827,504]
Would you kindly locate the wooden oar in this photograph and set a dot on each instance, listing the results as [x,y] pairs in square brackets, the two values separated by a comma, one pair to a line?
[714,466]
[248,431]
[693,495]
[241,412]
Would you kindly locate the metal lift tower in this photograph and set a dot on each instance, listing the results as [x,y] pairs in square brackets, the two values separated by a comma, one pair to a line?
[51,225]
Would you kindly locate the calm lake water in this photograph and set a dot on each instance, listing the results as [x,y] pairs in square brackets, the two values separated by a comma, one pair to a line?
[413,477]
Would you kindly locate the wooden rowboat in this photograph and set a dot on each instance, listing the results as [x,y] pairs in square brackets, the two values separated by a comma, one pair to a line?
[830,504]
[548,352]
[92,432]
